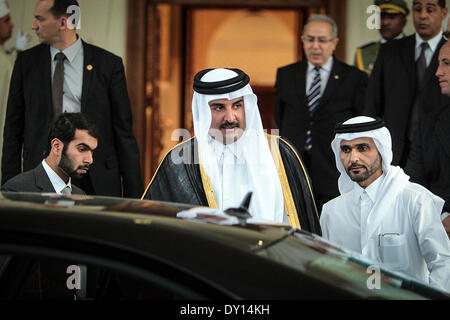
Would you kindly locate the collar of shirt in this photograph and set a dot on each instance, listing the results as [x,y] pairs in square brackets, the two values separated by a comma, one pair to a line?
[57,182]
[70,52]
[371,190]
[325,72]
[400,36]
[326,67]
[433,43]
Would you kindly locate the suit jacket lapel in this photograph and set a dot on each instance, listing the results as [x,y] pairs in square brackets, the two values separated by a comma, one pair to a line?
[334,80]
[88,71]
[408,54]
[42,180]
[47,78]
[300,81]
[442,128]
[431,70]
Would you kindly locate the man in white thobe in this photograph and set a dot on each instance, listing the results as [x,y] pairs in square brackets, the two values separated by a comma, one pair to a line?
[234,157]
[379,213]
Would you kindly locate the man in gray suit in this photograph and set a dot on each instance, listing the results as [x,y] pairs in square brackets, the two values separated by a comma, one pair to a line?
[71,142]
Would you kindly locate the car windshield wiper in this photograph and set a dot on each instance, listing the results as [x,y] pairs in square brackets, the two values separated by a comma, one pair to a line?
[274,242]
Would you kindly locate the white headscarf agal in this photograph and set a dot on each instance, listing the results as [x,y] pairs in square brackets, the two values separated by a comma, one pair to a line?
[267,201]
[4,9]
[382,139]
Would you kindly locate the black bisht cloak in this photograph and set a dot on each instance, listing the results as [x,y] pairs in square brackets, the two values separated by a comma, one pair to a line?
[182,182]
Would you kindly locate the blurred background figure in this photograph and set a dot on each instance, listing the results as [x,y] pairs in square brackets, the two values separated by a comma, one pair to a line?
[7,59]
[402,86]
[393,21]
[6,63]
[314,94]
[66,74]
[430,154]
[6,28]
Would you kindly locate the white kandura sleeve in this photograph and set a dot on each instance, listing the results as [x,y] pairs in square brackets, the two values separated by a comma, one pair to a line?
[433,240]
[324,222]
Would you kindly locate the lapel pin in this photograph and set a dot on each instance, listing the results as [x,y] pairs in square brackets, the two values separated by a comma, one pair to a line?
[336,77]
[89,67]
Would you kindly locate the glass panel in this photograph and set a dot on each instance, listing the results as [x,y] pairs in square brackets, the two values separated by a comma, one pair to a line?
[56,279]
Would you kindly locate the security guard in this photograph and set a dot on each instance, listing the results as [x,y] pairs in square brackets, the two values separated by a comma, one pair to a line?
[393,20]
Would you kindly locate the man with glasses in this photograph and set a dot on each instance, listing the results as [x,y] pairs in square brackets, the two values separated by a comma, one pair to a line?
[312,96]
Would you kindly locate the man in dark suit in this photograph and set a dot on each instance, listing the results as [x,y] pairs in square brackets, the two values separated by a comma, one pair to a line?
[312,96]
[65,74]
[70,145]
[428,161]
[402,87]
[71,142]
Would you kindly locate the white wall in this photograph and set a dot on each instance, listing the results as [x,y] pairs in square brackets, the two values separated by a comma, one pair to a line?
[103,22]
[357,31]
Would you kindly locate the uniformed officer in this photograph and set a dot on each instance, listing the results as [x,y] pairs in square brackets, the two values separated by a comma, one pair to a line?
[393,20]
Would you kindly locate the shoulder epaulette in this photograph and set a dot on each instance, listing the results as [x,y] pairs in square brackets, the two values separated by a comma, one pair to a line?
[368,45]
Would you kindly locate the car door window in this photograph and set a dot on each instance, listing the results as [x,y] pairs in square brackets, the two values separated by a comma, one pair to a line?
[57,279]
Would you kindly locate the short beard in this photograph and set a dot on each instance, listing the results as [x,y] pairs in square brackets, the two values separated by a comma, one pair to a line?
[367,173]
[66,166]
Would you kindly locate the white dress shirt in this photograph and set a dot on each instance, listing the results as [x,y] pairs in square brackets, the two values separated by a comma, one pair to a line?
[58,184]
[73,75]
[325,71]
[432,46]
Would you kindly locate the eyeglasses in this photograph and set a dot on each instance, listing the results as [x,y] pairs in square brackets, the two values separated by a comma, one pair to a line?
[321,40]
[446,35]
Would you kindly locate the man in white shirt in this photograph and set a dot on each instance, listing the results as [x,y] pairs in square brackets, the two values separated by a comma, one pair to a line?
[231,156]
[71,143]
[379,213]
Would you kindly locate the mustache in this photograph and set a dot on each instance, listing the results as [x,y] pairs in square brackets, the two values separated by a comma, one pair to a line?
[356,165]
[229,125]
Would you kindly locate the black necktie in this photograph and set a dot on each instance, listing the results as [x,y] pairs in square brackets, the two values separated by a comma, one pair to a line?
[58,85]
[421,64]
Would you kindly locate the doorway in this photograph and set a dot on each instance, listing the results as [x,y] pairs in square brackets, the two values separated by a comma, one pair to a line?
[170,41]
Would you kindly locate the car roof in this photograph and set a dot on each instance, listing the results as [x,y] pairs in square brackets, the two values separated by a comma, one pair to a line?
[85,216]
[152,229]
